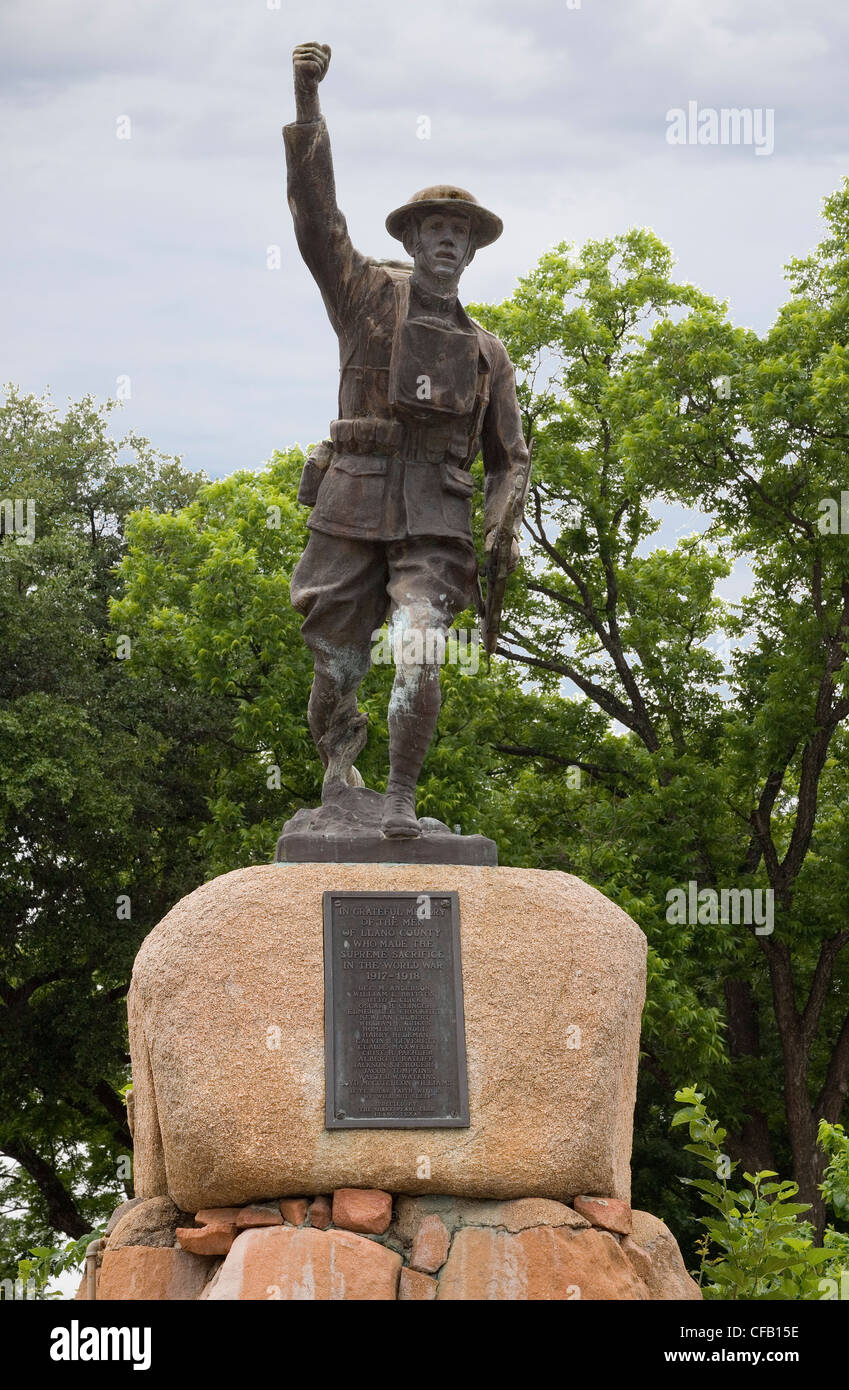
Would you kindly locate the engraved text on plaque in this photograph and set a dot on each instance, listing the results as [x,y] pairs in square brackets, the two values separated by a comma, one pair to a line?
[395,1039]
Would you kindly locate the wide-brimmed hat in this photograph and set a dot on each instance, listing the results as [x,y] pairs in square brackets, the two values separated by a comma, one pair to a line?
[486,227]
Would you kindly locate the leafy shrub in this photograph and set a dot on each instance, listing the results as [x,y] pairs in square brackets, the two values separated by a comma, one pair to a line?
[44,1264]
[757,1247]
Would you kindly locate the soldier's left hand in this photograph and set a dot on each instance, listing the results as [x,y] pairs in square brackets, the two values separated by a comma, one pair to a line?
[515,554]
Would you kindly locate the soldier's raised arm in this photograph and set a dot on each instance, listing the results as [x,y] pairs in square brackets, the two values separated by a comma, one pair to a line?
[320,228]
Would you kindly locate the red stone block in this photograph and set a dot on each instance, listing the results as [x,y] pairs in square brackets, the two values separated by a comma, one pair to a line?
[294,1210]
[430,1245]
[415,1287]
[608,1213]
[213,1239]
[363,1209]
[321,1213]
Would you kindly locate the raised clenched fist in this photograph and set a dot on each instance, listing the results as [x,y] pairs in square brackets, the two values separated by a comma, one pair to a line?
[310,61]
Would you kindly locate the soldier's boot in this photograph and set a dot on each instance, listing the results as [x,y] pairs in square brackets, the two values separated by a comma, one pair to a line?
[413,712]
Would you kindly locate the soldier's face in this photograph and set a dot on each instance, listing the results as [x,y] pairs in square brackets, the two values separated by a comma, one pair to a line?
[443,243]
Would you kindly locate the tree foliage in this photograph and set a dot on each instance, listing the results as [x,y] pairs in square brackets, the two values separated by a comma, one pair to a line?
[94,806]
[725,772]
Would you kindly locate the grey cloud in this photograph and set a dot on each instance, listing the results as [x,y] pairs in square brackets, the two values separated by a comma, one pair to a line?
[147,257]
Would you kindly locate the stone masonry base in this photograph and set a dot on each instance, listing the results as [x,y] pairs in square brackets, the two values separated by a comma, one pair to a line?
[363,1244]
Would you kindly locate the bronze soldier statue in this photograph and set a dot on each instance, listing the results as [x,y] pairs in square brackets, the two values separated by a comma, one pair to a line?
[422,388]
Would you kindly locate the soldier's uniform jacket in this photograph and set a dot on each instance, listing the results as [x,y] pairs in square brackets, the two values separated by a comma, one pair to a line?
[401,452]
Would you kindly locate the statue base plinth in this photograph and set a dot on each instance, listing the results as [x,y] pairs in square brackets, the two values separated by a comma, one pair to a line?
[345,829]
[227,1012]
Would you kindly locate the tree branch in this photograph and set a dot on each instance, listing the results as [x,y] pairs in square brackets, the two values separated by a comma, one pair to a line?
[62,1211]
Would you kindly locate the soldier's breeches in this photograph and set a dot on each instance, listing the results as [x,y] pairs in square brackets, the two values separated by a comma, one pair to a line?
[346,589]
[343,596]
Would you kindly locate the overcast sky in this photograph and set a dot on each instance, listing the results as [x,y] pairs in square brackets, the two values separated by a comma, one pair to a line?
[146,258]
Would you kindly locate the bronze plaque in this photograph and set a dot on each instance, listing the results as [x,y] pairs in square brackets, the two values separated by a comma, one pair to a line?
[394,1033]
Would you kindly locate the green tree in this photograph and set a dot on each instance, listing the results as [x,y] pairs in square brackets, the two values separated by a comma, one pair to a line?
[96,813]
[730,773]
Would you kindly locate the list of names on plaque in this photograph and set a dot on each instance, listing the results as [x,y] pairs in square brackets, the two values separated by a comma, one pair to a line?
[394,1030]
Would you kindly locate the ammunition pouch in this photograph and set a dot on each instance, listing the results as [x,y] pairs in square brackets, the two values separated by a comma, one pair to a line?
[313,473]
[369,435]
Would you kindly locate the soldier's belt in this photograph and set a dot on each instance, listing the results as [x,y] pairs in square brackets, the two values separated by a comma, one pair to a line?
[369,435]
[413,439]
